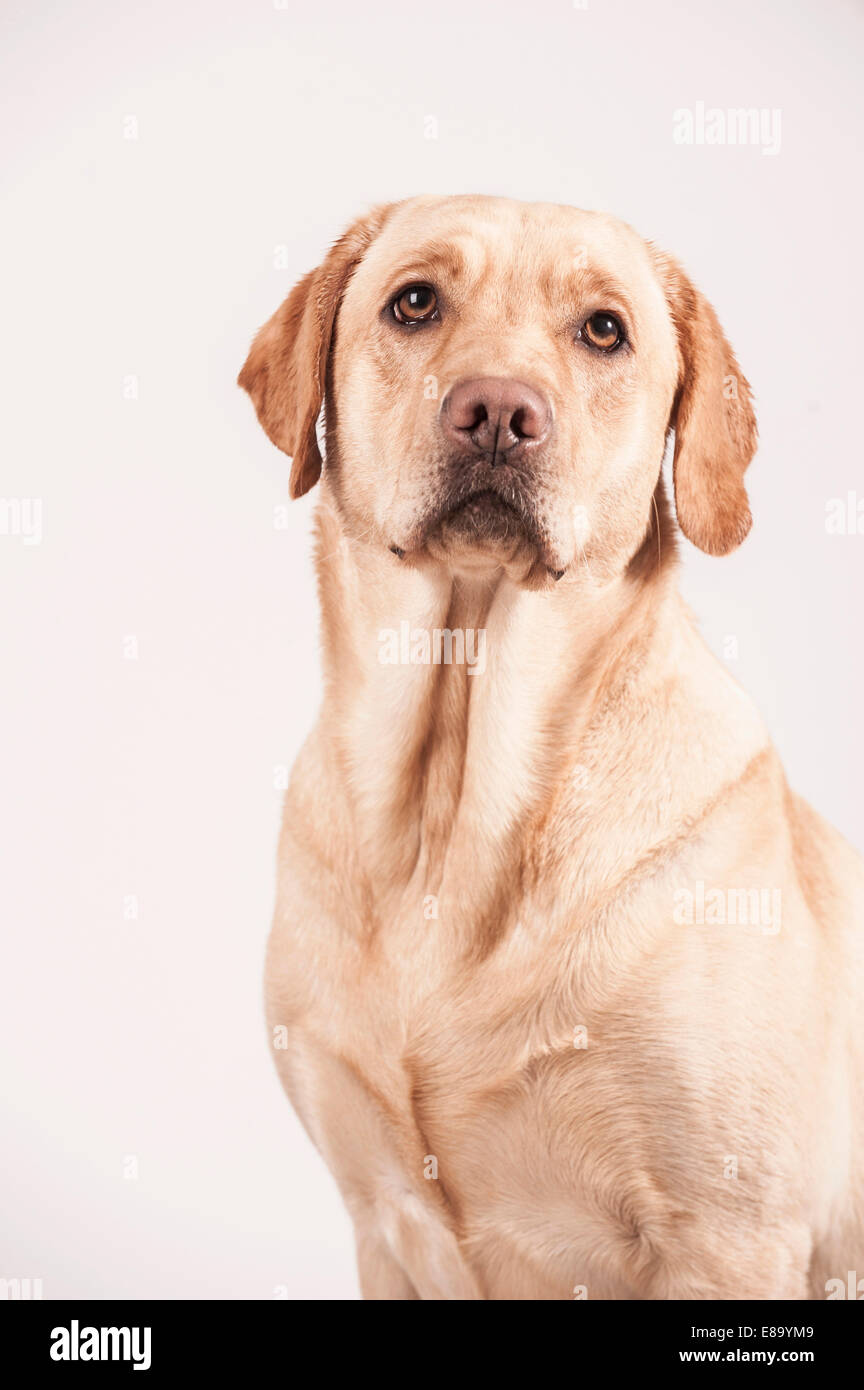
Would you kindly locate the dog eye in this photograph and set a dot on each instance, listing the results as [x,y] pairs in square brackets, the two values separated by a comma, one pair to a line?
[602,331]
[416,304]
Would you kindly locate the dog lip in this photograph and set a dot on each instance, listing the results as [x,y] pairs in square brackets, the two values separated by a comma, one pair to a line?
[485,515]
[503,503]
[481,494]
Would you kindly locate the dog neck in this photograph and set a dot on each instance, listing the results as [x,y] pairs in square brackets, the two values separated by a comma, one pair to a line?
[454,709]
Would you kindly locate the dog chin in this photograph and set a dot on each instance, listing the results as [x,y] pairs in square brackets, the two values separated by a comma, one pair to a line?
[481,532]
[484,536]
[483,520]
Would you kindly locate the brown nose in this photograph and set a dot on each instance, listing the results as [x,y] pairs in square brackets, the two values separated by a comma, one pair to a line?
[495,414]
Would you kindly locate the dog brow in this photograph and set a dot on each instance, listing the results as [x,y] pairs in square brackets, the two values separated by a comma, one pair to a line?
[438,257]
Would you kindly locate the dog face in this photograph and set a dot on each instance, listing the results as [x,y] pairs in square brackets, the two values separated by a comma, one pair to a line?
[499,380]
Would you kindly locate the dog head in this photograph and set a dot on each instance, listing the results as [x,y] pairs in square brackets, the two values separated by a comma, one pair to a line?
[498,382]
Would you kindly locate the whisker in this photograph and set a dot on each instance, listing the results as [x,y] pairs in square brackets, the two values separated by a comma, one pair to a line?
[657,515]
[584,559]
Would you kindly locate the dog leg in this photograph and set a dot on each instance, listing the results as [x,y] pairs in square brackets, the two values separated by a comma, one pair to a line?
[381,1275]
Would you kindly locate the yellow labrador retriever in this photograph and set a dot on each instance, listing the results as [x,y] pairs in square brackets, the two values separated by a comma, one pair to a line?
[564,981]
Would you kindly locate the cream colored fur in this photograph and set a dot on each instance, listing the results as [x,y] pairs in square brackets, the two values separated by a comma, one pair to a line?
[530,1078]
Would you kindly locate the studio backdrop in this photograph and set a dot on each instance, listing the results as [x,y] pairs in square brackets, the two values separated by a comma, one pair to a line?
[170,170]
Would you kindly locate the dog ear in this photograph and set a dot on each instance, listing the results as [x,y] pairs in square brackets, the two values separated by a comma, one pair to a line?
[286,368]
[715,427]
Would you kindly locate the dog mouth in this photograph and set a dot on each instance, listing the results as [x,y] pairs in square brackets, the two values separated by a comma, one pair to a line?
[484,515]
[476,521]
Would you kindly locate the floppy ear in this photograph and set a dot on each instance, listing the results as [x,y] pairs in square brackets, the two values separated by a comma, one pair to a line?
[287,364]
[715,427]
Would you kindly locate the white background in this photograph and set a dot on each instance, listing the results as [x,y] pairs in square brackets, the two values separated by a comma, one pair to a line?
[262,132]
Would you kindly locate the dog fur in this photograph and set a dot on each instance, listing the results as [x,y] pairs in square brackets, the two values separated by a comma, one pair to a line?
[530,1079]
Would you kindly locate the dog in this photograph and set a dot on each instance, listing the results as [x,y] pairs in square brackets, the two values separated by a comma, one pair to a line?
[563,979]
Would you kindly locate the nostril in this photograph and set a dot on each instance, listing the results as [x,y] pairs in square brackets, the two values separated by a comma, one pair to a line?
[481,415]
[520,424]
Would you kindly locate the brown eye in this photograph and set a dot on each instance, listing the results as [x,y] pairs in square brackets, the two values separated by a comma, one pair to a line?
[602,331]
[416,304]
